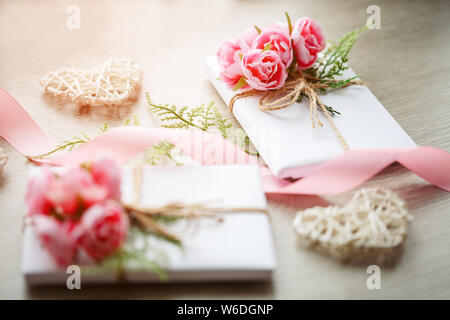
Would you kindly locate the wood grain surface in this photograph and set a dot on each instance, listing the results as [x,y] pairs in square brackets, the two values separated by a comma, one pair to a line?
[405,64]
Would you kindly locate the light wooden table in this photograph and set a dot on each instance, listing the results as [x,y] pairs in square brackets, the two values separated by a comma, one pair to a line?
[405,64]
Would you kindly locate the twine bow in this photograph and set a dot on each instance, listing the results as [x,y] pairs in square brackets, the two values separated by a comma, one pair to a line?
[145,216]
[297,86]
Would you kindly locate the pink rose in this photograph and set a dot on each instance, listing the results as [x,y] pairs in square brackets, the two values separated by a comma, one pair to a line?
[63,195]
[263,70]
[74,190]
[280,26]
[58,238]
[279,41]
[106,172]
[231,76]
[308,41]
[104,229]
[228,53]
[37,186]
[229,58]
[247,39]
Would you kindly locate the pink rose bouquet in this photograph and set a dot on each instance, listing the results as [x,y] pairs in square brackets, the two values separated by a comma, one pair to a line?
[282,61]
[261,58]
[78,207]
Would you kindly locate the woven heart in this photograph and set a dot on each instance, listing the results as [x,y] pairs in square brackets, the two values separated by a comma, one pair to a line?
[112,83]
[370,227]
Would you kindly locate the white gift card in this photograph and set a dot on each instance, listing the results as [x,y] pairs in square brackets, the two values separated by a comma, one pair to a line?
[238,249]
[291,147]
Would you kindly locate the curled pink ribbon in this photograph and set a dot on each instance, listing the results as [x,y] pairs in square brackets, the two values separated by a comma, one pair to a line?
[337,175]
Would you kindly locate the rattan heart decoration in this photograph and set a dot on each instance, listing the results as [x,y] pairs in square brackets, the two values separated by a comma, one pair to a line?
[368,228]
[111,83]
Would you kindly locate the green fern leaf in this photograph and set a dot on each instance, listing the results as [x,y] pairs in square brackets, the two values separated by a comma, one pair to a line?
[335,57]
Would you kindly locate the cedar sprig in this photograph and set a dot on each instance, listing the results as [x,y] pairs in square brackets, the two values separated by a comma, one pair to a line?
[201,117]
[222,123]
[132,121]
[204,117]
[163,149]
[69,145]
[76,141]
[65,145]
[334,60]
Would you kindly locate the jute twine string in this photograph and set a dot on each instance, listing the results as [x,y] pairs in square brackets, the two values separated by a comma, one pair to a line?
[145,216]
[369,227]
[111,83]
[297,85]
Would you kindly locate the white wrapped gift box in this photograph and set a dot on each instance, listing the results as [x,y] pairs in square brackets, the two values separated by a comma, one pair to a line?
[291,147]
[238,249]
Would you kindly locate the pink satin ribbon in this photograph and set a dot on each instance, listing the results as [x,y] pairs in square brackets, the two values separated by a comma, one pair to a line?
[337,175]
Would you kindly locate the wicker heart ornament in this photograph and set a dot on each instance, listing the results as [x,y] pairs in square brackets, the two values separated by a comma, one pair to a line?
[369,227]
[111,83]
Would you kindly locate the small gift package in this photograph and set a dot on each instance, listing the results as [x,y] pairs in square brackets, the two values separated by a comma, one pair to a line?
[230,243]
[296,98]
[291,147]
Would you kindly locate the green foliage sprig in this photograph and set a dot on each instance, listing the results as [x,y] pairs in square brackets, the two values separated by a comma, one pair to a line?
[333,63]
[204,117]
[163,149]
[65,145]
[222,123]
[201,117]
[75,141]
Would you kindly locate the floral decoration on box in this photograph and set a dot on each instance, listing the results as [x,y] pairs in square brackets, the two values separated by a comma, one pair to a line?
[284,63]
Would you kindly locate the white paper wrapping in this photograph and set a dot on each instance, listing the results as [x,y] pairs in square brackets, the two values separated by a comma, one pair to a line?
[239,248]
[291,147]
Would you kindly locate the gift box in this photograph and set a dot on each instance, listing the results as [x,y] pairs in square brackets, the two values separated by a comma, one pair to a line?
[238,248]
[286,140]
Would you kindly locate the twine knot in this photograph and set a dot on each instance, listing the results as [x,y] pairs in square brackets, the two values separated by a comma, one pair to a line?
[297,86]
